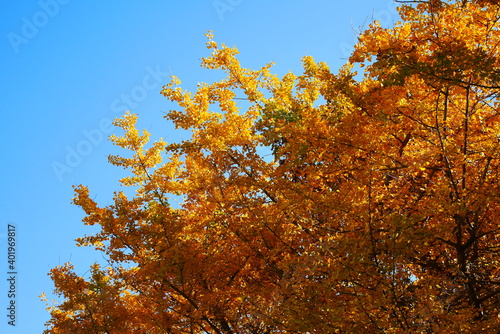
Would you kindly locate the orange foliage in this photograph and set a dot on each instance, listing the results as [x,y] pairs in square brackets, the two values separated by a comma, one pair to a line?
[325,204]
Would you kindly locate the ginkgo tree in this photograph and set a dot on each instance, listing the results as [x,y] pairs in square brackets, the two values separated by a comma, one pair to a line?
[315,203]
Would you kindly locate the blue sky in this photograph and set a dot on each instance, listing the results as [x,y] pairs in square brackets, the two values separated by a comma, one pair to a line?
[69,67]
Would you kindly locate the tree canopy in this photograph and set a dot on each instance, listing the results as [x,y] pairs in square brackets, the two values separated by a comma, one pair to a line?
[315,203]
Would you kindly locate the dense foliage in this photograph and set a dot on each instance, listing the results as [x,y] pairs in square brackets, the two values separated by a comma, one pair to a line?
[329,203]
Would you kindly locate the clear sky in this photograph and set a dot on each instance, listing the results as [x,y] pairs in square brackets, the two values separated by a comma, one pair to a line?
[69,67]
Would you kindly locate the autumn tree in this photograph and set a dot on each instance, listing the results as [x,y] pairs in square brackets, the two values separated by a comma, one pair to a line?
[312,203]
